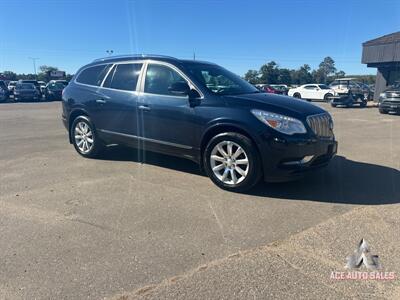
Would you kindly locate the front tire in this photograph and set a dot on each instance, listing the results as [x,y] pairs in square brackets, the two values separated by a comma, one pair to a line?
[327,97]
[85,139]
[383,111]
[232,162]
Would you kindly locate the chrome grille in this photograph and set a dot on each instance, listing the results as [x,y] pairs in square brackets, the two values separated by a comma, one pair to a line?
[321,125]
[392,95]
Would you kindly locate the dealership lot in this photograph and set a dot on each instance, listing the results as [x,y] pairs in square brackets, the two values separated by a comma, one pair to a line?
[78,228]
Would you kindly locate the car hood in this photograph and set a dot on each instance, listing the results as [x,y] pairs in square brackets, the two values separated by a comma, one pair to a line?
[26,91]
[276,103]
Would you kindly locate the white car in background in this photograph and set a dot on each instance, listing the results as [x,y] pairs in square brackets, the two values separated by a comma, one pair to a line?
[42,86]
[312,92]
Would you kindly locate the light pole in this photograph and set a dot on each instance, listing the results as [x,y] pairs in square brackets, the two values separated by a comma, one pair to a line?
[110,52]
[34,64]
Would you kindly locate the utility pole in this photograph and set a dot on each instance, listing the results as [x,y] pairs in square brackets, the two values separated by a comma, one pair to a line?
[34,64]
[194,55]
[110,52]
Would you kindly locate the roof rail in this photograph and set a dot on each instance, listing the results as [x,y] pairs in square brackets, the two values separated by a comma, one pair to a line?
[133,55]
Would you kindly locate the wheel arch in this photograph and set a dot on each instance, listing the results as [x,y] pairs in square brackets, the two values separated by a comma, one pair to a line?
[72,116]
[221,128]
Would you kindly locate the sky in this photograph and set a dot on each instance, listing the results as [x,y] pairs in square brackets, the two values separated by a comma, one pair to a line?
[239,35]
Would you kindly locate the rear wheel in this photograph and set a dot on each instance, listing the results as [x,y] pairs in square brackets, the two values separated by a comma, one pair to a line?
[333,105]
[363,103]
[297,95]
[232,162]
[84,137]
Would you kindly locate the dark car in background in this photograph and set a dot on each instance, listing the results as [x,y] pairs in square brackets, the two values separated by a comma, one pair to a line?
[5,93]
[53,90]
[35,83]
[283,88]
[26,92]
[389,100]
[198,111]
[270,89]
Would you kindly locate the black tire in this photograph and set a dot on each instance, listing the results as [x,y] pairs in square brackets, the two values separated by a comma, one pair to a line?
[333,105]
[363,104]
[327,96]
[97,145]
[383,111]
[254,171]
[297,95]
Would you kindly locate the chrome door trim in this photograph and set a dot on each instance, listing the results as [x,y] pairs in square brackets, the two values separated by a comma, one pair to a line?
[146,139]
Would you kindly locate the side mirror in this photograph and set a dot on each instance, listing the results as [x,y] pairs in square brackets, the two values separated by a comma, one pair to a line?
[179,88]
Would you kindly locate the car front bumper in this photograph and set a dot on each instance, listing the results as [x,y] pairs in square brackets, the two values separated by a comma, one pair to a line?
[26,97]
[390,105]
[291,158]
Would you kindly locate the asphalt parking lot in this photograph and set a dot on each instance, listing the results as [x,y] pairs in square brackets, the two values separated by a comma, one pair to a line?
[75,228]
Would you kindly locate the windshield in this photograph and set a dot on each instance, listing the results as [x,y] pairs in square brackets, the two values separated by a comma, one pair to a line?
[25,86]
[55,86]
[396,86]
[324,87]
[219,80]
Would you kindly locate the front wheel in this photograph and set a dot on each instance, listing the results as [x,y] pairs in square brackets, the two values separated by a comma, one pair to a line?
[327,97]
[232,162]
[363,103]
[84,138]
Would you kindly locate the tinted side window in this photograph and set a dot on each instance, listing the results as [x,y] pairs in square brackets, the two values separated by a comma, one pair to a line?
[93,75]
[159,78]
[123,77]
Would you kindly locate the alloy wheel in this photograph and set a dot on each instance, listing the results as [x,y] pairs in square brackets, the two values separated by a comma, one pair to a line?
[229,162]
[83,137]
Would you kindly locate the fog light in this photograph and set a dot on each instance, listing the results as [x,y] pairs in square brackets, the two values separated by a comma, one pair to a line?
[304,160]
[307,159]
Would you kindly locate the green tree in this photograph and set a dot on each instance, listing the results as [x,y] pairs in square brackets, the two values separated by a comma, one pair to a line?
[10,75]
[340,74]
[285,76]
[252,76]
[44,72]
[269,73]
[302,75]
[325,69]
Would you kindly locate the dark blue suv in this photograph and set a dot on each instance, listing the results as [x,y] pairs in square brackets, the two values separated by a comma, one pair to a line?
[199,111]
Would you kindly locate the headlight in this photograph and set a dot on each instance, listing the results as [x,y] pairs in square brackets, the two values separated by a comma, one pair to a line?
[281,123]
[382,95]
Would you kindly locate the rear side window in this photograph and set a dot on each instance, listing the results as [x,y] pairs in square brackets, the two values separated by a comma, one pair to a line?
[93,75]
[310,87]
[123,77]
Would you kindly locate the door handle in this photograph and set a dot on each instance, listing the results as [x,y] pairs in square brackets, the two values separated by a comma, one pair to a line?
[144,107]
[101,101]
